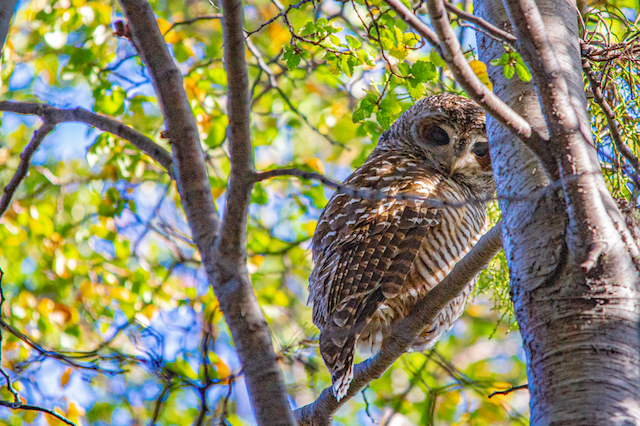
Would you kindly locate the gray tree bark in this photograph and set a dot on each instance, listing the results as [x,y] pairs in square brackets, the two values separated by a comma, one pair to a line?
[574,282]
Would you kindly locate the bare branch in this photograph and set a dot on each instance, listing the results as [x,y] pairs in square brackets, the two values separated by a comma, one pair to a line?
[106,124]
[486,27]
[28,407]
[193,182]
[25,159]
[192,20]
[610,115]
[299,173]
[320,412]
[452,53]
[508,391]
[283,13]
[242,311]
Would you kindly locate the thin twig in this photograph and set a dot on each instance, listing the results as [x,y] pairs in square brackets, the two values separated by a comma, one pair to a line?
[507,391]
[28,407]
[192,20]
[17,403]
[489,29]
[610,115]
[25,160]
[283,14]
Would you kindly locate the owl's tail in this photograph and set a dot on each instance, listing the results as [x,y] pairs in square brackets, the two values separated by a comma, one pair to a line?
[338,353]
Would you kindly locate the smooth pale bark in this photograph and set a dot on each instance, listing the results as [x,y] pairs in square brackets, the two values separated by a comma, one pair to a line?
[580,329]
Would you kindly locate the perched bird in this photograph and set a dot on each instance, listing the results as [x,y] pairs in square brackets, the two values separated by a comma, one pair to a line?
[404,219]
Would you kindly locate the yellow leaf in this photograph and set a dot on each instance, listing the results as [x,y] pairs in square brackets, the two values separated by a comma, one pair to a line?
[309,227]
[217,191]
[30,416]
[474,310]
[223,371]
[74,411]
[64,379]
[255,263]
[480,69]
[149,311]
[46,306]
[316,165]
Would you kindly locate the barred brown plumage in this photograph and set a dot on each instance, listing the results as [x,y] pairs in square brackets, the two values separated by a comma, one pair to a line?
[376,257]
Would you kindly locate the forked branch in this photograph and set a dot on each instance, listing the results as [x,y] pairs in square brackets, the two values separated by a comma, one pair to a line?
[222,246]
[321,411]
[106,124]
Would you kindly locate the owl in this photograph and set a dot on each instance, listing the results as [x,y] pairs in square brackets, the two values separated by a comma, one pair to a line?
[377,256]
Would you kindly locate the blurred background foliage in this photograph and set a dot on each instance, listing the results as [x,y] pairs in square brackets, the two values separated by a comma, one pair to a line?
[108,316]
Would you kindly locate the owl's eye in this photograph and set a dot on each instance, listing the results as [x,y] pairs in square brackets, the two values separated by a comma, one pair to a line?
[480,149]
[436,135]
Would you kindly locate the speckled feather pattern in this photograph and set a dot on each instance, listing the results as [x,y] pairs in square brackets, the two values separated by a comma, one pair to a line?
[374,259]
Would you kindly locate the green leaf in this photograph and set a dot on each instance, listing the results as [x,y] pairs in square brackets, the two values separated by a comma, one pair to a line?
[521,69]
[435,59]
[424,71]
[353,42]
[291,58]
[508,71]
[415,88]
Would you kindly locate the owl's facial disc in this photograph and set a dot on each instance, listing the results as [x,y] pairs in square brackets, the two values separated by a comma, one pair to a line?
[472,153]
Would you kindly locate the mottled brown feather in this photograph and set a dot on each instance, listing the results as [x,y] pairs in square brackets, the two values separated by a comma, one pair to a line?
[375,258]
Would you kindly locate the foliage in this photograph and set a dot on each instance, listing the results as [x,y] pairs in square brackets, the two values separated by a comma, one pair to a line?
[109,317]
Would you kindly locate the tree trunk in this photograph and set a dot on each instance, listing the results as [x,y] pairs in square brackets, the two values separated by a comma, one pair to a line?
[580,327]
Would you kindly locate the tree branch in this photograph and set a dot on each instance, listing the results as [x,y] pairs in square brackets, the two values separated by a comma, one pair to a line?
[320,412]
[192,20]
[6,13]
[592,213]
[466,77]
[450,50]
[488,29]
[222,248]
[23,167]
[106,124]
[610,115]
[299,173]
[249,329]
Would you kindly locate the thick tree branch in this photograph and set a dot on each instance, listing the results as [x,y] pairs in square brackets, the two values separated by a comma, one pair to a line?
[23,167]
[446,42]
[320,412]
[191,173]
[6,13]
[251,333]
[106,124]
[592,213]
[222,250]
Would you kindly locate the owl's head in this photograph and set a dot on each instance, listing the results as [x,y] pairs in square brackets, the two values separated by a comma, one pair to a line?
[447,131]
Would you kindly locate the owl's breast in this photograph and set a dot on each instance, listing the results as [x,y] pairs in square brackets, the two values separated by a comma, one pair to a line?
[446,242]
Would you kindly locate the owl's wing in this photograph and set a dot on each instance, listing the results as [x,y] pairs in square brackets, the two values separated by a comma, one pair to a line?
[363,251]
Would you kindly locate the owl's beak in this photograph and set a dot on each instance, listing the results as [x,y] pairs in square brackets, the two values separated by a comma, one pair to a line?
[456,164]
